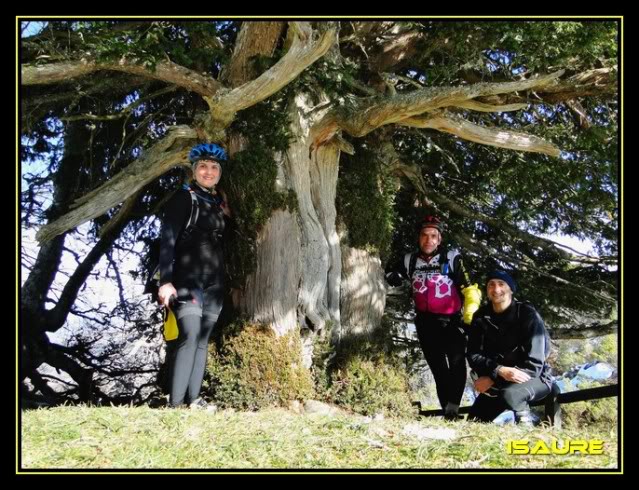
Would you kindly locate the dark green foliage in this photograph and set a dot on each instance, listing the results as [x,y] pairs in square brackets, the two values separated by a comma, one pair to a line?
[365,194]
[190,44]
[250,182]
[364,373]
[370,387]
[482,50]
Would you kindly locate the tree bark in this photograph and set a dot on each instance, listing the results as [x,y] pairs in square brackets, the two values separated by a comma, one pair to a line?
[270,294]
[254,39]
[363,293]
[306,247]
[314,244]
[307,47]
[324,171]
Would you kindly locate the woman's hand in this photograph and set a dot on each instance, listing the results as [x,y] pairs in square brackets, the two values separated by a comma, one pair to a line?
[165,292]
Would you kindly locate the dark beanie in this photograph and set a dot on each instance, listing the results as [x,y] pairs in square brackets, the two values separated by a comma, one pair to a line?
[502,276]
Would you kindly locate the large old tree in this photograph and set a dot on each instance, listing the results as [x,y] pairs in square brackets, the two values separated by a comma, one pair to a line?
[340,135]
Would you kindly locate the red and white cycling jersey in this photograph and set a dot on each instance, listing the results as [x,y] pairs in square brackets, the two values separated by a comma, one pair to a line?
[433,288]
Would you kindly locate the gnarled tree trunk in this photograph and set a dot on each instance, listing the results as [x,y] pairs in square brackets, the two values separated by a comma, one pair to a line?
[297,281]
[313,178]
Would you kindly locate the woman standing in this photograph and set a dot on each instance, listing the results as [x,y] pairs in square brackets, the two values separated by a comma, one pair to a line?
[192,271]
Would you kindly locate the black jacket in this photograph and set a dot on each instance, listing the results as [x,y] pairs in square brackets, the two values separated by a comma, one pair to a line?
[516,337]
[196,260]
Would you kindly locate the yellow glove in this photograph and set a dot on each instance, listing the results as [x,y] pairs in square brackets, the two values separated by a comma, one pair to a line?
[472,300]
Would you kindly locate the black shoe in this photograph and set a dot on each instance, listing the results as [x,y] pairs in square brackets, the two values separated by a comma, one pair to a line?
[179,406]
[451,416]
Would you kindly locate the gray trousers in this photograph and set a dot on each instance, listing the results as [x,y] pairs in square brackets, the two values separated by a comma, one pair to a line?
[509,396]
[196,312]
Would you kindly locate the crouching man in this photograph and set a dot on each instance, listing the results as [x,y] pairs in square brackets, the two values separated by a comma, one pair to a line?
[507,351]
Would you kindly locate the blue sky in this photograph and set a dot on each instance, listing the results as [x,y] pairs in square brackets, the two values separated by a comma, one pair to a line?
[33,27]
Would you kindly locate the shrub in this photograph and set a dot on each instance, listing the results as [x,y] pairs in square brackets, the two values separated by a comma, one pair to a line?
[255,368]
[370,387]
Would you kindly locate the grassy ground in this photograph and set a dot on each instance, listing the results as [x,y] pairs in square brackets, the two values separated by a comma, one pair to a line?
[129,438]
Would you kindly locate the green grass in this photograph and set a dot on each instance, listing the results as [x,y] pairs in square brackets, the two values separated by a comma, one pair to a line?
[128,438]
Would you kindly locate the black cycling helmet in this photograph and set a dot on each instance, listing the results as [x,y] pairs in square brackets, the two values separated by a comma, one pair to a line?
[432,222]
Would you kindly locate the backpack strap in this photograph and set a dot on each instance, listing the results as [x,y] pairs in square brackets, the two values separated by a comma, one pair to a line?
[447,261]
[444,264]
[412,264]
[195,212]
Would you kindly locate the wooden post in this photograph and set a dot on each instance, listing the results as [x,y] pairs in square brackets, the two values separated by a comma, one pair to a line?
[553,407]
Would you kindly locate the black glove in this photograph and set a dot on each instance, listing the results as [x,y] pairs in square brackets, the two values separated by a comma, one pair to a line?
[464,329]
[394,279]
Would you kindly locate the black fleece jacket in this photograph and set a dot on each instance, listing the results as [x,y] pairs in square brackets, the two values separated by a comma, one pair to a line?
[514,338]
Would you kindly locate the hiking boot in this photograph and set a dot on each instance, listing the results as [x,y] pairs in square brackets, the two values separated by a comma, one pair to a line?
[526,418]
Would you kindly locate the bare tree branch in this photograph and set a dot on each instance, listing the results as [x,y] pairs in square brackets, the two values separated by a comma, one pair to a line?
[35,106]
[121,215]
[591,82]
[585,331]
[254,38]
[601,81]
[97,363]
[80,314]
[308,46]
[415,177]
[580,113]
[166,71]
[475,105]
[124,112]
[501,138]
[362,116]
[479,247]
[118,280]
[458,209]
[154,163]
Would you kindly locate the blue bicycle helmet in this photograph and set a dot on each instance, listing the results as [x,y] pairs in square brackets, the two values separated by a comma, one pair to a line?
[207,151]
